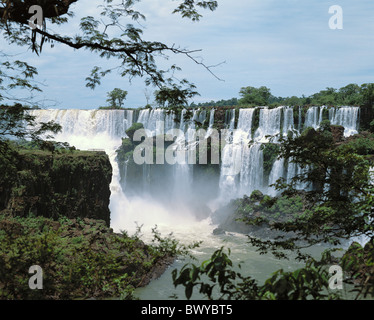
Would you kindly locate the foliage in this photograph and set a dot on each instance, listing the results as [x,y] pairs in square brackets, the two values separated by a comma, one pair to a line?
[16,74]
[220,103]
[359,262]
[340,203]
[270,154]
[367,93]
[175,95]
[116,98]
[343,204]
[351,94]
[17,122]
[284,205]
[8,170]
[131,131]
[362,144]
[80,258]
[108,35]
[228,284]
[255,96]
[168,246]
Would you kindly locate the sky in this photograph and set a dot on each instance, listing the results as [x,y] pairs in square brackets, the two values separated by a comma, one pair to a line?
[287,46]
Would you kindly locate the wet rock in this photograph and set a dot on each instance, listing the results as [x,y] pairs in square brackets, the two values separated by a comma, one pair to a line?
[201,211]
[218,231]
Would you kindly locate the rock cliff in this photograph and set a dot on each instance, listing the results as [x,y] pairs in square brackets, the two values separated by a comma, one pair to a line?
[71,184]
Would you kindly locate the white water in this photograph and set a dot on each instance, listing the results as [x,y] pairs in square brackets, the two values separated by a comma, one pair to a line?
[276,172]
[288,124]
[347,117]
[313,118]
[270,124]
[241,162]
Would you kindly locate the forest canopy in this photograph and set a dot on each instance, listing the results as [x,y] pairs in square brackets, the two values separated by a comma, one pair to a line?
[351,94]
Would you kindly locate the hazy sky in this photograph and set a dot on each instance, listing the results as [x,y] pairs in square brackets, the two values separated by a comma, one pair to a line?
[285,45]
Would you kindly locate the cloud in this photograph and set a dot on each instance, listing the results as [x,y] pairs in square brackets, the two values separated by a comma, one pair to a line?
[285,45]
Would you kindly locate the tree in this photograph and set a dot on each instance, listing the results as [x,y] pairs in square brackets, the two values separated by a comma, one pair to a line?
[367,93]
[16,74]
[350,95]
[17,122]
[255,96]
[325,97]
[116,98]
[175,96]
[293,101]
[109,35]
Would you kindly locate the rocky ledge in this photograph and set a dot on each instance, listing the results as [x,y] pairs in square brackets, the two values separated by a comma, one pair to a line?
[72,184]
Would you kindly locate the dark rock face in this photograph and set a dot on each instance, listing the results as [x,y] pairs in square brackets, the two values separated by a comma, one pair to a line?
[218,231]
[69,184]
[337,133]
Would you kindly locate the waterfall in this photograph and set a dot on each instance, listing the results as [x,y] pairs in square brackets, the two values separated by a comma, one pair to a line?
[343,116]
[270,124]
[276,172]
[87,123]
[312,118]
[245,123]
[156,121]
[288,123]
[251,172]
[239,161]
[143,117]
[211,122]
[241,166]
[294,170]
[348,118]
[230,119]
[321,114]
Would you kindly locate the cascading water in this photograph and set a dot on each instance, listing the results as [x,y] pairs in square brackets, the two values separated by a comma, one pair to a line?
[236,157]
[241,170]
[270,124]
[288,123]
[276,172]
[312,118]
[346,117]
[211,122]
[251,172]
